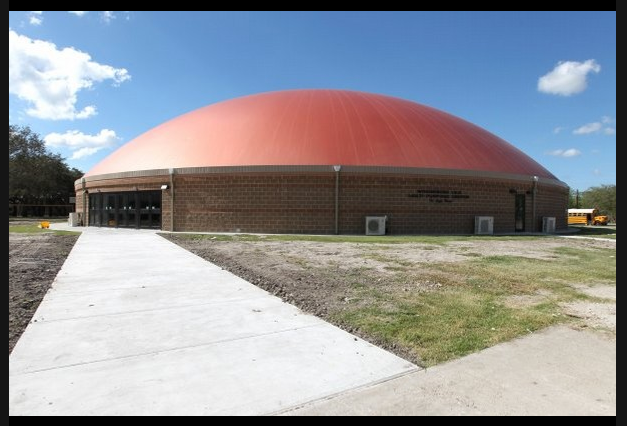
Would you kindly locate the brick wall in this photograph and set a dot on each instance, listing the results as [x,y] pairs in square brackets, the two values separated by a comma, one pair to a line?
[552,202]
[273,203]
[440,205]
[305,203]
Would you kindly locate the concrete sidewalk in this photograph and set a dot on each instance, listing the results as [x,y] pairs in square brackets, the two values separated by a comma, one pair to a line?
[557,372]
[135,325]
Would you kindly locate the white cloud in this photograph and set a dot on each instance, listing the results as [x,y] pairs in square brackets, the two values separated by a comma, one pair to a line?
[568,78]
[597,127]
[566,153]
[35,18]
[107,16]
[49,79]
[84,152]
[588,128]
[78,13]
[82,144]
[558,130]
[596,172]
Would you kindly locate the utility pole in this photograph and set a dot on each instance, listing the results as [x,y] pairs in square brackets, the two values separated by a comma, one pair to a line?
[577,200]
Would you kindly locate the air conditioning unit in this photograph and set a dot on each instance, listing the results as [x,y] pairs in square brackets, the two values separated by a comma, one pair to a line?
[484,225]
[548,225]
[375,225]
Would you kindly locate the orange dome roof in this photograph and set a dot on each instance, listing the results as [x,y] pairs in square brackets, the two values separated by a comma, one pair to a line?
[319,127]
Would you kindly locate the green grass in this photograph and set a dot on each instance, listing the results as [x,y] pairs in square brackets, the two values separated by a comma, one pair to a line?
[423,239]
[503,275]
[470,312]
[34,229]
[38,219]
[441,326]
[596,231]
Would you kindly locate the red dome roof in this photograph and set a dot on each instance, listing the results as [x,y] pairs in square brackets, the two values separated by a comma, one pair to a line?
[319,127]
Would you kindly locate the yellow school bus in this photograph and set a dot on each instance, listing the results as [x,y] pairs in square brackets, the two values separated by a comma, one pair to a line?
[586,217]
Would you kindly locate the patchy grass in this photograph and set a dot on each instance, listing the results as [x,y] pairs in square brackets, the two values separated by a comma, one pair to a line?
[424,239]
[470,313]
[35,229]
[439,326]
[596,231]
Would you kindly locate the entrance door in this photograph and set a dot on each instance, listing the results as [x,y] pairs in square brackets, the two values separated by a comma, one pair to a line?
[140,209]
[127,212]
[520,213]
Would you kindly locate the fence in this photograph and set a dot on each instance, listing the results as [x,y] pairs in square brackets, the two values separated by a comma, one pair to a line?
[40,210]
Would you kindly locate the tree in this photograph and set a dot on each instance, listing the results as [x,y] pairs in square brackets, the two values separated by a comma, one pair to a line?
[574,199]
[601,197]
[37,176]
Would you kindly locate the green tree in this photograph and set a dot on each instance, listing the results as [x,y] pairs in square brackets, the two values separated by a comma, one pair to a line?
[601,197]
[574,199]
[37,176]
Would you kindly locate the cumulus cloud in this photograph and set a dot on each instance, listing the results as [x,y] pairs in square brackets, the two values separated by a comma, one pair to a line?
[568,78]
[49,79]
[82,144]
[35,18]
[596,127]
[78,13]
[588,128]
[566,153]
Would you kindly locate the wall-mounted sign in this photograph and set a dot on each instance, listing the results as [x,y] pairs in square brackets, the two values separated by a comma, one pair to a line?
[439,195]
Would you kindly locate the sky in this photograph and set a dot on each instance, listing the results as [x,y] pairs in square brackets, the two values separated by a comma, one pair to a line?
[88,82]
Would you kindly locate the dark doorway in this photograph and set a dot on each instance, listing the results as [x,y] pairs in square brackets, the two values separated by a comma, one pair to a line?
[520,213]
[138,209]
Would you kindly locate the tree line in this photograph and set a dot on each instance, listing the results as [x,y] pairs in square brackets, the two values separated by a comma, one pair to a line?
[36,175]
[600,197]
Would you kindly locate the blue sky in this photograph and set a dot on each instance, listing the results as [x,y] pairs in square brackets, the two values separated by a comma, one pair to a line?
[546,82]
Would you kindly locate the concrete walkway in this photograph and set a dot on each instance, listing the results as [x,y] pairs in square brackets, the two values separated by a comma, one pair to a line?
[557,372]
[135,325]
[581,237]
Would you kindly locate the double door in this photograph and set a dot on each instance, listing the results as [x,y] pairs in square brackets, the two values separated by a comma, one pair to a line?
[138,209]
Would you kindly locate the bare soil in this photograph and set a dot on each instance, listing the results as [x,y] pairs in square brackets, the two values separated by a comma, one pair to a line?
[324,278]
[34,261]
[592,314]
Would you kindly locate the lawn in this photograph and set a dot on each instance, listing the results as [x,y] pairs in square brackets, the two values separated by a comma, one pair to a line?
[35,229]
[595,231]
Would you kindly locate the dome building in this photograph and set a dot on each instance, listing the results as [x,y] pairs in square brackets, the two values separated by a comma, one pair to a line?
[321,162]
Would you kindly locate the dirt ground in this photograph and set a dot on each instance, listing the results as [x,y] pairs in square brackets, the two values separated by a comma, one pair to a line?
[324,278]
[34,261]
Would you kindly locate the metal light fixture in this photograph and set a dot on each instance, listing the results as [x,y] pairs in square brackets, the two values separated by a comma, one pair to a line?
[164,186]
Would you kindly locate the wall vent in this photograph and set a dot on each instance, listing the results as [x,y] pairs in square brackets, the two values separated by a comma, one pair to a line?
[484,225]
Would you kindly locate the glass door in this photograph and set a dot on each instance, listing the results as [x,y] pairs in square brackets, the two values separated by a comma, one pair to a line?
[520,213]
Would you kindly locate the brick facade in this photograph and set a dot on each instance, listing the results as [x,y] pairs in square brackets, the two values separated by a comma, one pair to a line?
[304,203]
